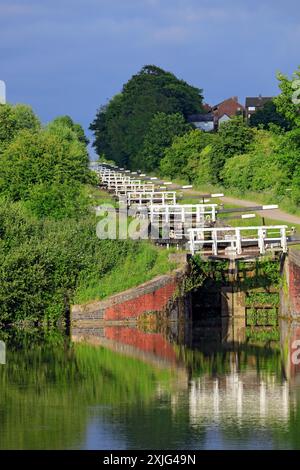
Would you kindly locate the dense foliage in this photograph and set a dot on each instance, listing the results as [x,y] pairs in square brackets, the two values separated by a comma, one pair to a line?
[265,161]
[42,179]
[200,156]
[43,261]
[13,119]
[66,121]
[46,168]
[285,104]
[267,115]
[234,138]
[48,244]
[188,156]
[122,127]
[162,130]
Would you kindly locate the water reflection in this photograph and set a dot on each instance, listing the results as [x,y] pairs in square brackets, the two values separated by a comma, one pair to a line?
[290,345]
[240,397]
[235,377]
[122,387]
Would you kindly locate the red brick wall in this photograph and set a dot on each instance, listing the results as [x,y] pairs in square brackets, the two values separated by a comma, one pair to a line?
[154,301]
[149,342]
[294,287]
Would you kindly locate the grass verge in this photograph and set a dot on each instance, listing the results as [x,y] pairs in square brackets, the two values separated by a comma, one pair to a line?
[148,261]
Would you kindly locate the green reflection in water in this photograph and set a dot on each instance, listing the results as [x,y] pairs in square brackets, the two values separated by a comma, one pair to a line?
[48,384]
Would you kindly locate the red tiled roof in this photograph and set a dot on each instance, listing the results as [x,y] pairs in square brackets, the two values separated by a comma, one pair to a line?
[231,107]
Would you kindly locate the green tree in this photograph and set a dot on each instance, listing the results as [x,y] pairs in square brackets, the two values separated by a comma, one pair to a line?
[121,126]
[289,150]
[35,161]
[26,118]
[185,157]
[161,132]
[109,131]
[234,138]
[13,119]
[267,115]
[67,121]
[199,166]
[285,105]
[260,169]
[58,200]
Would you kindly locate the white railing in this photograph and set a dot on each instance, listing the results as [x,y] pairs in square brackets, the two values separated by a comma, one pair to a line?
[107,178]
[163,197]
[132,187]
[114,183]
[265,237]
[185,213]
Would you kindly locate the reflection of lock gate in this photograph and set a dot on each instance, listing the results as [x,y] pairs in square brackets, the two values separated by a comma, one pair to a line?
[2,352]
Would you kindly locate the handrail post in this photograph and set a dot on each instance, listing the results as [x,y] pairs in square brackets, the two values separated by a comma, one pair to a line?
[238,241]
[192,242]
[215,241]
[213,213]
[283,239]
[261,241]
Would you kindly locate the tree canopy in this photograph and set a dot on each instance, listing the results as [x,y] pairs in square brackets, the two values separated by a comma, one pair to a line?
[13,119]
[233,138]
[287,102]
[120,127]
[267,115]
[46,167]
[33,158]
[161,132]
[67,121]
[185,157]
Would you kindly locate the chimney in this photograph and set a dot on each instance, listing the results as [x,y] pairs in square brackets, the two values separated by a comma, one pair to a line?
[235,98]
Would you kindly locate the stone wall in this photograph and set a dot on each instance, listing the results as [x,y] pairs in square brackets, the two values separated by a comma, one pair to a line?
[158,295]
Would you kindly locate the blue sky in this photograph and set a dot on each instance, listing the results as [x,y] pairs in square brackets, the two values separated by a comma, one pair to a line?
[71,56]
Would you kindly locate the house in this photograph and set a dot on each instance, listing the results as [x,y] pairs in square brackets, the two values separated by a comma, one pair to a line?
[205,122]
[254,103]
[2,92]
[225,110]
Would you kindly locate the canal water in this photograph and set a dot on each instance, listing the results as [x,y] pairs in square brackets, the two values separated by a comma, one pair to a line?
[125,388]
